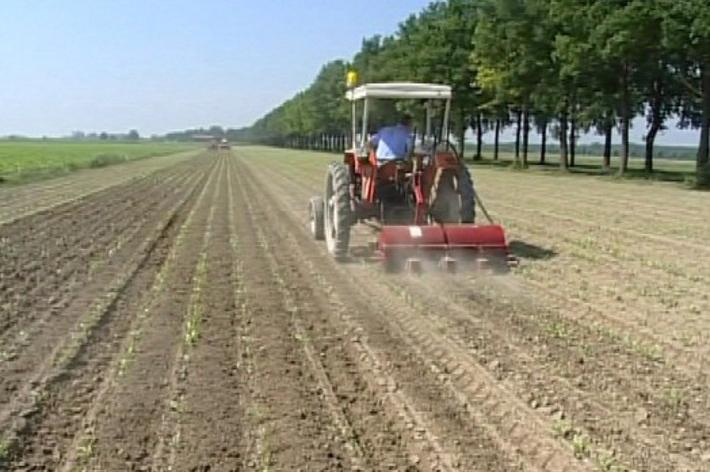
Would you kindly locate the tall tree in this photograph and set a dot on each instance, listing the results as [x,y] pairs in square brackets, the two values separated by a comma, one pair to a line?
[686,35]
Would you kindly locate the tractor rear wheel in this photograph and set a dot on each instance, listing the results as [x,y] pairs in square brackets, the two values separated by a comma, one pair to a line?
[445,203]
[337,210]
[468,198]
[316,219]
[452,197]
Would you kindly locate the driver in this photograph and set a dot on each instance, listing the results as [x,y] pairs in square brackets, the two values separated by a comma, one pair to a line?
[393,142]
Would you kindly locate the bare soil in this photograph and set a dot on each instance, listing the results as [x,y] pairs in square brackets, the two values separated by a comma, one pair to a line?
[184,319]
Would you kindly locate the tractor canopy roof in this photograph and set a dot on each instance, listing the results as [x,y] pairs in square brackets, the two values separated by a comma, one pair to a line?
[401,90]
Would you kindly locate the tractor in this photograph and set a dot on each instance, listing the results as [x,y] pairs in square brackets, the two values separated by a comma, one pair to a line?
[423,204]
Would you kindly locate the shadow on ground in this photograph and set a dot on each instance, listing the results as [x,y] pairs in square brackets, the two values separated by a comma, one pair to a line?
[524,250]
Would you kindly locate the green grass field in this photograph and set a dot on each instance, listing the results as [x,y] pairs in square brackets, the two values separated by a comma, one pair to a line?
[22,161]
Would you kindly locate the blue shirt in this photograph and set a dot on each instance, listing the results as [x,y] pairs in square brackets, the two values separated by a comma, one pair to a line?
[392,142]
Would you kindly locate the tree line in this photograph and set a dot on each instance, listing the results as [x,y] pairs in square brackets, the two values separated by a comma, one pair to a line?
[560,67]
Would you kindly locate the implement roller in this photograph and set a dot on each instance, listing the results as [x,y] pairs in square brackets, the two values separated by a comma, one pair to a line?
[423,203]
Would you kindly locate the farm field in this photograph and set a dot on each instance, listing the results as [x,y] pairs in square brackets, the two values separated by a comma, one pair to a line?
[19,200]
[24,160]
[664,169]
[182,318]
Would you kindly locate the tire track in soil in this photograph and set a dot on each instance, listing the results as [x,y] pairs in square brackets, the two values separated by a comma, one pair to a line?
[63,389]
[510,429]
[126,427]
[560,374]
[650,440]
[293,427]
[38,301]
[689,429]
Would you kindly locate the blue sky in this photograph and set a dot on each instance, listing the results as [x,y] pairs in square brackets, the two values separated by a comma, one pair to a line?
[159,65]
[164,65]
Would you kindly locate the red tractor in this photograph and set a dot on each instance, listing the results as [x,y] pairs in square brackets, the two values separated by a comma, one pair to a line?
[423,203]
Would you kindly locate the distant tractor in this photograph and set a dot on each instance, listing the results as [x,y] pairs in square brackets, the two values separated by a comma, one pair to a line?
[224,144]
[423,203]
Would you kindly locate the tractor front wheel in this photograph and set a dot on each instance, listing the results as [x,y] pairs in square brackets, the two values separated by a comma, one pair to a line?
[316,219]
[337,210]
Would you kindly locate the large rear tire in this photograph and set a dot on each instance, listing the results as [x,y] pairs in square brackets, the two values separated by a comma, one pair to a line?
[468,198]
[316,218]
[445,202]
[337,210]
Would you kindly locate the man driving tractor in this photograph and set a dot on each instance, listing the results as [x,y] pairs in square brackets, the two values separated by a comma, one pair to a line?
[393,142]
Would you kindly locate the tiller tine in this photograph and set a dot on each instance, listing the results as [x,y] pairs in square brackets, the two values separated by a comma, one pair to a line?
[448,264]
[451,246]
[414,265]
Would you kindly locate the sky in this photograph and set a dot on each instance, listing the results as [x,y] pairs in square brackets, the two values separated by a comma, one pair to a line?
[165,65]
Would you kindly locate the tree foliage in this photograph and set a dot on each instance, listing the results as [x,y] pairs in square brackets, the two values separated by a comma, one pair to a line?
[557,65]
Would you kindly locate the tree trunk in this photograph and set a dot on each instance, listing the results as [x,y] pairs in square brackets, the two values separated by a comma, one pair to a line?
[572,140]
[563,141]
[625,119]
[703,162]
[650,138]
[656,122]
[518,120]
[496,140]
[543,142]
[479,138]
[526,135]
[609,129]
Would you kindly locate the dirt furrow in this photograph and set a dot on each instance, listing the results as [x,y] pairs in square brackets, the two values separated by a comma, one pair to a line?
[556,367]
[30,350]
[547,455]
[296,426]
[64,275]
[79,456]
[141,398]
[19,201]
[252,429]
[634,324]
[45,418]
[663,418]
[43,251]
[646,308]
[185,375]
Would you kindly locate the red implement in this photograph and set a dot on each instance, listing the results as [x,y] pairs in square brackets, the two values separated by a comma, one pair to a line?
[452,247]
